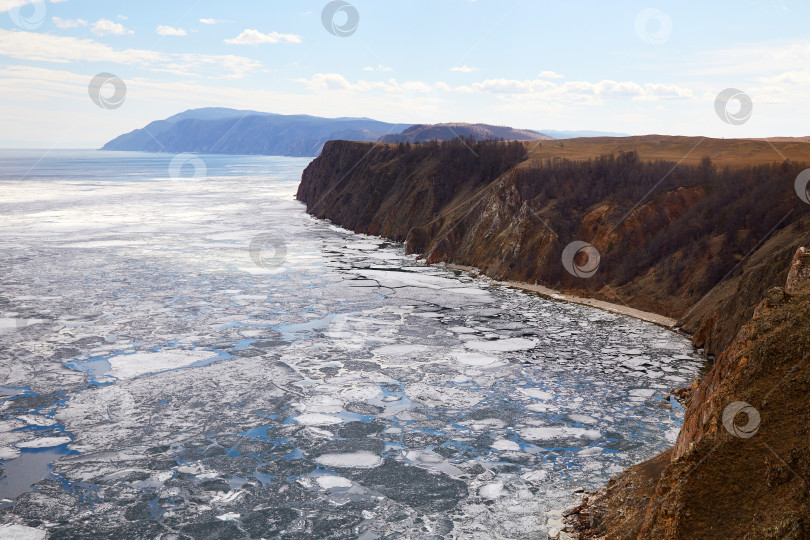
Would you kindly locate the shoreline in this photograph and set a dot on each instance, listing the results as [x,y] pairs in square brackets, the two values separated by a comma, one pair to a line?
[556,519]
[618,309]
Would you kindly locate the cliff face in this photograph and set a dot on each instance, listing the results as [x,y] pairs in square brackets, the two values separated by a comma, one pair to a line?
[721,249]
[661,249]
[741,465]
[389,190]
[715,320]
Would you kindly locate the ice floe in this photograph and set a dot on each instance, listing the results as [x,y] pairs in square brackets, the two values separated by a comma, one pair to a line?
[127,366]
[503,345]
[21,532]
[44,442]
[350,460]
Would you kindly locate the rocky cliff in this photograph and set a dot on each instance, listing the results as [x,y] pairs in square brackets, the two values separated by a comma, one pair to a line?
[719,247]
[666,236]
[741,465]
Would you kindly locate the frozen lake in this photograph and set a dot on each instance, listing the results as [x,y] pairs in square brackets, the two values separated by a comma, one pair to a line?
[200,356]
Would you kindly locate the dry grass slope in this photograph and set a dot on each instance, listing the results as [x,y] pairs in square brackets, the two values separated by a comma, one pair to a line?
[690,150]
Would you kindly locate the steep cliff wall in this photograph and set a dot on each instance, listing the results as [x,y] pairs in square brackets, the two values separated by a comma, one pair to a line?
[389,189]
[715,247]
[666,235]
[713,322]
[741,465]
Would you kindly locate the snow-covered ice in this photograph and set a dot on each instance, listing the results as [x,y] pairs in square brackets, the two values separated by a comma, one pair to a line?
[126,366]
[349,384]
[351,460]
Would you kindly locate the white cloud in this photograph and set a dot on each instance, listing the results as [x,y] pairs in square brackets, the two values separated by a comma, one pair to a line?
[379,67]
[324,82]
[578,91]
[105,27]
[464,69]
[443,86]
[121,17]
[582,92]
[169,31]
[327,81]
[209,21]
[64,49]
[254,37]
[51,107]
[68,23]
[6,5]
[550,75]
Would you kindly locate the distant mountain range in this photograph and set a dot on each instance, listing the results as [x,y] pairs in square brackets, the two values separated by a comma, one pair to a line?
[216,130]
[426,132]
[228,131]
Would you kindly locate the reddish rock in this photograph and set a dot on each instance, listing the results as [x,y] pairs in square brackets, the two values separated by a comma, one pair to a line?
[799,270]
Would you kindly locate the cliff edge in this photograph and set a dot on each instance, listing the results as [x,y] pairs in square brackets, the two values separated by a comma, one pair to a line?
[722,248]
[741,464]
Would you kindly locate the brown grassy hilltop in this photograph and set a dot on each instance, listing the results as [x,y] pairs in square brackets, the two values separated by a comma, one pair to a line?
[703,230]
[687,150]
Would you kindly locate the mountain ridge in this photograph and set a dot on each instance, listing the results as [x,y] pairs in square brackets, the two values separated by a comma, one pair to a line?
[228,131]
[223,130]
[450,130]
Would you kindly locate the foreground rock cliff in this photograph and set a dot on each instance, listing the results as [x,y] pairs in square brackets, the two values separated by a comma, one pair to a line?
[716,246]
[741,465]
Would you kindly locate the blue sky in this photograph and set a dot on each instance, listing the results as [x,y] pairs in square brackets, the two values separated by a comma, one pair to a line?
[627,66]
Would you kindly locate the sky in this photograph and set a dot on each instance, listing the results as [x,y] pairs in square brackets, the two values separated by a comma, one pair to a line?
[621,66]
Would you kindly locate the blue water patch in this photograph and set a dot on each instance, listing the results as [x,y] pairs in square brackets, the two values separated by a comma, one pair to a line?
[31,467]
[295,455]
[259,433]
[96,367]
[290,332]
[265,479]
[33,464]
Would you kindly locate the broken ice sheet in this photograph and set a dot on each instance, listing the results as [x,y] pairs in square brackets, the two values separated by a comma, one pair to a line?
[351,390]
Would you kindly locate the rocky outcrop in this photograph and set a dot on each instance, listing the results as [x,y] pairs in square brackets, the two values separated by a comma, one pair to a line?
[716,318]
[388,190]
[741,465]
[799,271]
